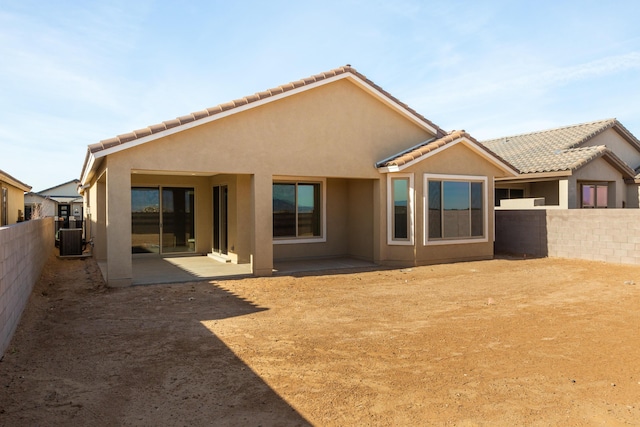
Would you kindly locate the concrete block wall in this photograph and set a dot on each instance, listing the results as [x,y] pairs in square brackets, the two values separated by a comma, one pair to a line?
[24,249]
[610,235]
[521,232]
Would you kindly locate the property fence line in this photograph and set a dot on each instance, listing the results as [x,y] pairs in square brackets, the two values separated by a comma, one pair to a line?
[24,249]
[610,235]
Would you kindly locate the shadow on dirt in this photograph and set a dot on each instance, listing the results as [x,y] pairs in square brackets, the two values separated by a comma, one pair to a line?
[84,354]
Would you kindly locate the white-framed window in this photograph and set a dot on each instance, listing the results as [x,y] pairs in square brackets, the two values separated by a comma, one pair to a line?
[455,209]
[299,211]
[400,217]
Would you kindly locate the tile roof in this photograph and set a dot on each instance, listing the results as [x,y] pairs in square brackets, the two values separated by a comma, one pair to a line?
[553,150]
[199,115]
[415,153]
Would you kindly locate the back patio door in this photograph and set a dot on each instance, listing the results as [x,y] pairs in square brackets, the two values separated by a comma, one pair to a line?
[162,220]
[220,216]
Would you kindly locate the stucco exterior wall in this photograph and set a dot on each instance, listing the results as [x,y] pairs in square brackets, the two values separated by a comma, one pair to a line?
[618,145]
[546,189]
[15,202]
[336,130]
[48,206]
[361,228]
[599,170]
[24,249]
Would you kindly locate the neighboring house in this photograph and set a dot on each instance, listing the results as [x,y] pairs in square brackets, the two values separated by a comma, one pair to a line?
[11,199]
[62,201]
[589,165]
[327,166]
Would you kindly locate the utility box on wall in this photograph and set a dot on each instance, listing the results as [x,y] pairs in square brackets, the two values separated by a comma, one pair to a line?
[70,241]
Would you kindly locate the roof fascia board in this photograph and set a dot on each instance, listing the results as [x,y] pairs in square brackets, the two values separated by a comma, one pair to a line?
[466,142]
[619,164]
[359,82]
[536,176]
[88,171]
[15,183]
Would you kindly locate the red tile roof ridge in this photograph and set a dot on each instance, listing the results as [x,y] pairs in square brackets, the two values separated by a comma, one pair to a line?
[406,157]
[606,123]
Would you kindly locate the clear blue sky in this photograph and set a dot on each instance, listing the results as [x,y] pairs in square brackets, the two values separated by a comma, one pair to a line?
[73,73]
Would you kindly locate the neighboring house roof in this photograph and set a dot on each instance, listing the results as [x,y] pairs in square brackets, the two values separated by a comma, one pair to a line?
[557,150]
[205,116]
[50,192]
[415,154]
[13,181]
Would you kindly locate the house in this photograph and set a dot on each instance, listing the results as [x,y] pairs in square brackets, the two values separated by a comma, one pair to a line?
[588,165]
[62,201]
[11,199]
[327,166]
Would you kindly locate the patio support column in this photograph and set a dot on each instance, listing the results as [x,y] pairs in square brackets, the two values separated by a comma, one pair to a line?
[564,195]
[118,200]
[379,226]
[262,224]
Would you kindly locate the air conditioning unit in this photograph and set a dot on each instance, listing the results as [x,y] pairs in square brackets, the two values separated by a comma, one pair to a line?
[70,241]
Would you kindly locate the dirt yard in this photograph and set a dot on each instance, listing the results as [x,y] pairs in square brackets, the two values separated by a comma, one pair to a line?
[503,342]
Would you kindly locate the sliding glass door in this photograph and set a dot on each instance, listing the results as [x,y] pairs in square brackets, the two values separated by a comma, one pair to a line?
[145,220]
[162,220]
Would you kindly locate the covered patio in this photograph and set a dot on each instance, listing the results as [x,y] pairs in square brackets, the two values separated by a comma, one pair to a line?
[182,269]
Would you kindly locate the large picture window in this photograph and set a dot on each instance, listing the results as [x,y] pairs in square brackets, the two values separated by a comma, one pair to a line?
[455,208]
[297,210]
[400,209]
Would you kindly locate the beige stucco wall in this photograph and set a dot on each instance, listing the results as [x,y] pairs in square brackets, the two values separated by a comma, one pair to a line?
[546,189]
[621,148]
[633,196]
[336,130]
[15,202]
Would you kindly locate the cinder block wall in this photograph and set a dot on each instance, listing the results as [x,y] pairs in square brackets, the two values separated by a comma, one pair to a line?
[611,235]
[24,249]
[521,232]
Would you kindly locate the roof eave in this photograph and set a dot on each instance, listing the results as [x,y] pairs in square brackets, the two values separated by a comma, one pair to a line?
[474,146]
[537,175]
[14,182]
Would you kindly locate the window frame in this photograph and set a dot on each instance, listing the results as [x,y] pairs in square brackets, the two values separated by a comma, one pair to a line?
[287,240]
[485,209]
[410,240]
[595,186]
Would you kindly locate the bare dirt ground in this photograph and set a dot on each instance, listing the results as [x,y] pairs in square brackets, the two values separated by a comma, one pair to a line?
[502,342]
